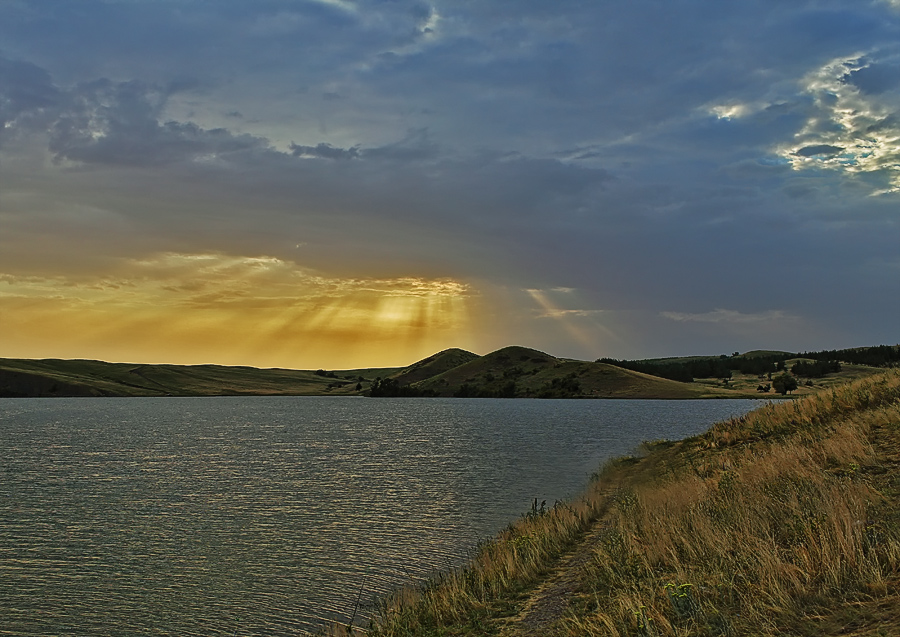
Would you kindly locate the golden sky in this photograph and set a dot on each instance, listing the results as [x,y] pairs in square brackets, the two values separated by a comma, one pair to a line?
[211,308]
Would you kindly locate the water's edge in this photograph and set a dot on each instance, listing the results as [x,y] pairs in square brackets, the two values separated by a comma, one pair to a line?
[268,515]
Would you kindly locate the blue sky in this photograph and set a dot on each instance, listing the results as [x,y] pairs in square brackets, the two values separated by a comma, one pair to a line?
[308,183]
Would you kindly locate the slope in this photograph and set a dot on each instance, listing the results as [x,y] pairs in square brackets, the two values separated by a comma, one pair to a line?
[785,521]
[521,372]
[434,365]
[54,377]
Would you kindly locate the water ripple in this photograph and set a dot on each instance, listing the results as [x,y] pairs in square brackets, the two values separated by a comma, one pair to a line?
[268,516]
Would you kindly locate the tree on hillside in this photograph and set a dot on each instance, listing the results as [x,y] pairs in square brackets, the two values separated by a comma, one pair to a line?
[815,369]
[784,383]
[567,387]
[391,388]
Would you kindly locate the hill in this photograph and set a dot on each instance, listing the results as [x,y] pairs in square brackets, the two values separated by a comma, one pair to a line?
[509,372]
[757,353]
[521,372]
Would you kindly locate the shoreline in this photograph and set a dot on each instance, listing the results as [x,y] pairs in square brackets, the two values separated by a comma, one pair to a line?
[635,555]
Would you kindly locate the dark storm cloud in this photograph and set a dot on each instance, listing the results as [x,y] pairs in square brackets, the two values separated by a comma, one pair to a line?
[211,40]
[820,149]
[416,146]
[24,87]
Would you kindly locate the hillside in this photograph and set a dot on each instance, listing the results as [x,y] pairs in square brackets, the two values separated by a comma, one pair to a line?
[509,372]
[527,373]
[433,366]
[757,353]
[54,377]
[785,521]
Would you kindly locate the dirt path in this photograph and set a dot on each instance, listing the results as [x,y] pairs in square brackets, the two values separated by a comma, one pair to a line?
[548,602]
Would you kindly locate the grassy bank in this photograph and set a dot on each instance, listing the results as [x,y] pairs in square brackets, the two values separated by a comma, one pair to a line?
[783,521]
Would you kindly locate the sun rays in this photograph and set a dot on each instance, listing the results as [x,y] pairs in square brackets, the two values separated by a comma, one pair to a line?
[580,324]
[264,311]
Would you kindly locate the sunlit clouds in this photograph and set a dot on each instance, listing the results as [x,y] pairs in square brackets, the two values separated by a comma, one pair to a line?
[730,111]
[850,129]
[193,308]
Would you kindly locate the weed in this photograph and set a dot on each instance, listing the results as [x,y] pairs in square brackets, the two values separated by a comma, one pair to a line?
[682,601]
[644,624]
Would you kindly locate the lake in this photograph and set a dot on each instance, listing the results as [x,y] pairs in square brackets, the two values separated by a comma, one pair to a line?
[272,515]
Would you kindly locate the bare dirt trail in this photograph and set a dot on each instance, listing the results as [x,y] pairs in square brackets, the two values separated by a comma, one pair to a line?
[873,615]
[548,601]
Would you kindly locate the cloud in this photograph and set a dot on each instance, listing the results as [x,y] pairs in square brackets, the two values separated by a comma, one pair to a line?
[730,317]
[118,123]
[26,93]
[823,150]
[265,310]
[877,77]
[557,313]
[24,87]
[850,130]
[636,158]
[324,151]
[415,146]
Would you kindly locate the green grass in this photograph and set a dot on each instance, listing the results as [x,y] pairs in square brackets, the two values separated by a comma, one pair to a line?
[745,384]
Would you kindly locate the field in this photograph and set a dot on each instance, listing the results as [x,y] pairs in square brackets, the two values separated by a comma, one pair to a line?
[747,383]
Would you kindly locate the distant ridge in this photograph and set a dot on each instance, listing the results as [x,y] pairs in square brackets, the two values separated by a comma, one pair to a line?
[73,378]
[509,372]
[512,371]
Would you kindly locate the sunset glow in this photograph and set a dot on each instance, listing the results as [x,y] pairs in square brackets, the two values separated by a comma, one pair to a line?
[208,308]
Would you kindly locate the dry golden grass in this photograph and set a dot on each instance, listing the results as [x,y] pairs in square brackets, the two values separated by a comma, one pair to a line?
[771,521]
[462,601]
[783,521]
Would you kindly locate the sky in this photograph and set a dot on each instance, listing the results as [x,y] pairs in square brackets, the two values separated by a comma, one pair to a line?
[344,184]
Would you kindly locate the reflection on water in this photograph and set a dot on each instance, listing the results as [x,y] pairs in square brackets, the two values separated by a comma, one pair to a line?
[268,516]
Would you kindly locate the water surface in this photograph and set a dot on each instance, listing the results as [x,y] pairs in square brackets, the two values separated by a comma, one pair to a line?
[269,515]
